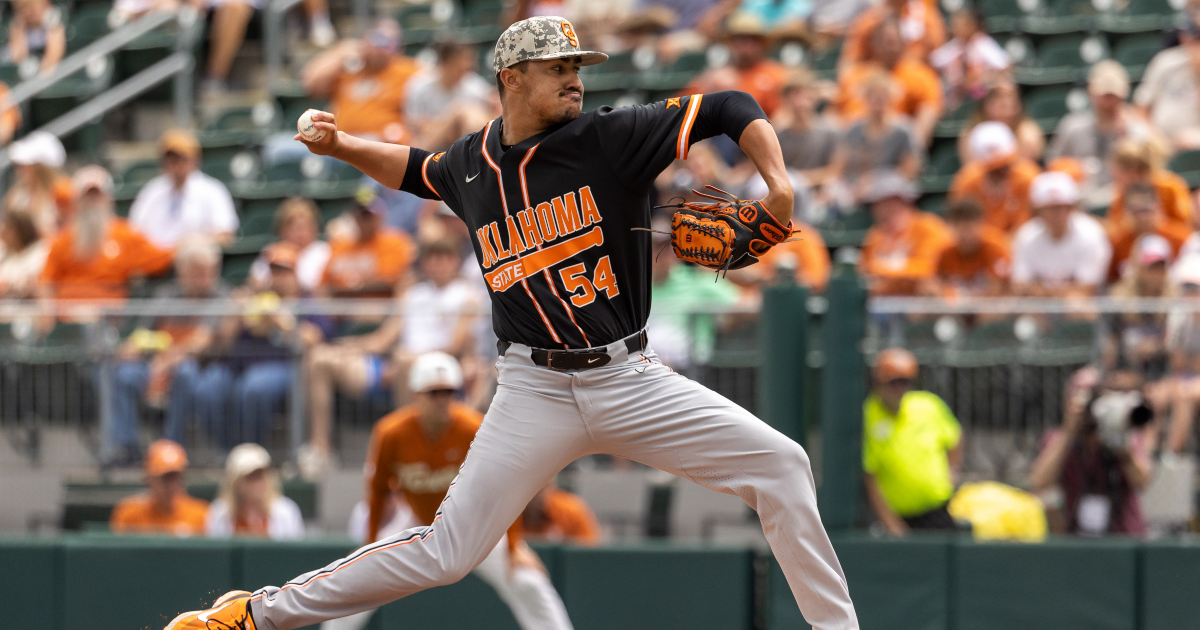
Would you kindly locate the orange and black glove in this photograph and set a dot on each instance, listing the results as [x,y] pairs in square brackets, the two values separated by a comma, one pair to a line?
[727,233]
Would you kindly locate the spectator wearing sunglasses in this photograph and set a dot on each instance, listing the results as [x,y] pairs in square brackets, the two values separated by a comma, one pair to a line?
[912,448]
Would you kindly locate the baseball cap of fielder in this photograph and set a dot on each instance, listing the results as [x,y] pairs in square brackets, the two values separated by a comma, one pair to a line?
[1152,248]
[245,459]
[179,141]
[435,370]
[165,456]
[540,38]
[895,363]
[992,143]
[1108,77]
[885,184]
[39,147]
[92,177]
[1053,188]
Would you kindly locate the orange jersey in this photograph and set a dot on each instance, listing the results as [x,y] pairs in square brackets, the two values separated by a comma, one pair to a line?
[916,86]
[383,259]
[763,81]
[812,258]
[1007,208]
[899,262]
[406,461]
[1123,239]
[369,102]
[926,17]
[125,253]
[1173,194]
[566,517]
[9,116]
[991,262]
[138,515]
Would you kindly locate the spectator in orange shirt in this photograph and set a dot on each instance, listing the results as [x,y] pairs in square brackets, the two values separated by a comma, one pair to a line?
[365,82]
[373,262]
[901,250]
[1141,161]
[749,69]
[95,255]
[413,457]
[979,261]
[918,90]
[1144,215]
[165,507]
[996,177]
[556,515]
[1003,104]
[921,26]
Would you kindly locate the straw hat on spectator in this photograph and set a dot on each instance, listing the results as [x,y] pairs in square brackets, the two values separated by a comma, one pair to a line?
[1053,188]
[1108,77]
[895,363]
[179,141]
[165,456]
[993,144]
[39,147]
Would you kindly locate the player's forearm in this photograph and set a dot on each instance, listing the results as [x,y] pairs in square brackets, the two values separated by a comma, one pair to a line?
[762,146]
[381,161]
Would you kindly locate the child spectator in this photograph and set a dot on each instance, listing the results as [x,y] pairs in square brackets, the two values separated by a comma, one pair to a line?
[165,507]
[972,61]
[879,141]
[38,158]
[901,250]
[1091,136]
[750,69]
[96,254]
[1141,161]
[365,82]
[996,177]
[36,31]
[1063,251]
[1003,104]
[912,448]
[920,24]
[22,257]
[979,262]
[1143,216]
[251,502]
[183,201]
[557,516]
[917,92]
[297,221]
[373,261]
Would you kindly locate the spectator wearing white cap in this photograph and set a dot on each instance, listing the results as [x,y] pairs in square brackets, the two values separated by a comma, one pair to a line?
[251,502]
[1143,216]
[1062,251]
[38,159]
[1089,136]
[996,177]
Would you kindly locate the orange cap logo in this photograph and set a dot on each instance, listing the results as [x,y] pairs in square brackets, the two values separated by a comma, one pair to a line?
[569,31]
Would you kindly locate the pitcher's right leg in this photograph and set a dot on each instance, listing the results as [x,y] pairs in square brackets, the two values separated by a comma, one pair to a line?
[532,430]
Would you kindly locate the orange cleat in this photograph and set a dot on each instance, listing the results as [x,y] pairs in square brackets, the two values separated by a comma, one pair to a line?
[230,612]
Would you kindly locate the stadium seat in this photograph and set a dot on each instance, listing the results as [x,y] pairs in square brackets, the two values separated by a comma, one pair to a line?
[1141,16]
[256,231]
[696,510]
[940,169]
[619,498]
[131,180]
[677,74]
[616,73]
[235,265]
[422,22]
[1063,59]
[1136,51]
[1187,164]
[1048,105]
[1061,16]
[935,203]
[991,336]
[87,25]
[481,23]
[843,230]
[1003,16]
[951,123]
[824,61]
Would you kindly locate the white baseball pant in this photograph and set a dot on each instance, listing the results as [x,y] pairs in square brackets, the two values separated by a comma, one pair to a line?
[527,592]
[540,421]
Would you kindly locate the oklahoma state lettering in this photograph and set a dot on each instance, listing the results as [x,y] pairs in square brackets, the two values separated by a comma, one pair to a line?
[554,230]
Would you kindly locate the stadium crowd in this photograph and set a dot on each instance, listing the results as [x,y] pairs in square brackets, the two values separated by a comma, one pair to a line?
[1091,211]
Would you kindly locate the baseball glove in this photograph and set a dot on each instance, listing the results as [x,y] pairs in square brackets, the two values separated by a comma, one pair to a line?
[727,233]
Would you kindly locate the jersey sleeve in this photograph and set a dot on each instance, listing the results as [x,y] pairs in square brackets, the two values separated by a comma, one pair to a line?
[642,140]
[427,176]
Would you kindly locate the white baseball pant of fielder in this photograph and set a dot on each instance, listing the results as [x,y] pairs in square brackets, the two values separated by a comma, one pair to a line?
[540,421]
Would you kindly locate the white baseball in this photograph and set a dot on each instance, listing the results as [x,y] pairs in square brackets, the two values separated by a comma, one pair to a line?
[308,130]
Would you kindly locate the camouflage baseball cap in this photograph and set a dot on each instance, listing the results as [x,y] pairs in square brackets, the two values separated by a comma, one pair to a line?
[543,37]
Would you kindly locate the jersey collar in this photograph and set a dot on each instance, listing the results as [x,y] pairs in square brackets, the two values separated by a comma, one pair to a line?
[491,142]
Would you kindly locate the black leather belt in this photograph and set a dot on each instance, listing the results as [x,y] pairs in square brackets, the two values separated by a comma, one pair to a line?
[578,359]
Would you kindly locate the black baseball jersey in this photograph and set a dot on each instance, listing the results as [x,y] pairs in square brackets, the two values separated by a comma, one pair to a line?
[551,217]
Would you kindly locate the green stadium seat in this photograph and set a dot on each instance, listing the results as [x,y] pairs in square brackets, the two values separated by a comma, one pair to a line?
[218,167]
[1141,16]
[255,231]
[991,336]
[1136,51]
[87,25]
[1048,105]
[824,61]
[284,172]
[951,124]
[131,180]
[1187,164]
[262,116]
[1063,59]
[618,73]
[1061,16]
[10,74]
[235,265]
[677,74]
[940,169]
[935,203]
[481,23]
[421,23]
[1003,16]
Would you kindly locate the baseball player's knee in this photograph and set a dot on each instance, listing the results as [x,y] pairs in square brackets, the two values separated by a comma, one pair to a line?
[794,457]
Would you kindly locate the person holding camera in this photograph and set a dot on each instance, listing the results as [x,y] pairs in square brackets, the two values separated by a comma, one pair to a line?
[1091,469]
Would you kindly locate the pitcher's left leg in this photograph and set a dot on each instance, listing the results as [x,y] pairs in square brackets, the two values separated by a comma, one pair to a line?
[527,591]
[650,414]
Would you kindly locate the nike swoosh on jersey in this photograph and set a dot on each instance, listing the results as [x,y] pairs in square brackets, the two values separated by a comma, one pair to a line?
[472,177]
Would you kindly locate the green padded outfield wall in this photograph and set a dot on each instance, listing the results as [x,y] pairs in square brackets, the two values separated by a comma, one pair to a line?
[1170,580]
[783,343]
[30,579]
